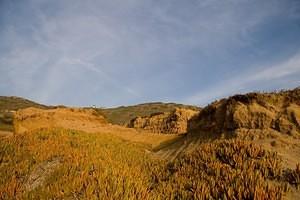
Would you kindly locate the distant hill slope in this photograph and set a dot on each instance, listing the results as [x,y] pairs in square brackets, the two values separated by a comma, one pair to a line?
[122,115]
[15,103]
[69,164]
[8,104]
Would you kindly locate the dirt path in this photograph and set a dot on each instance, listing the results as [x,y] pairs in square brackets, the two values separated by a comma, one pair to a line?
[5,133]
[172,149]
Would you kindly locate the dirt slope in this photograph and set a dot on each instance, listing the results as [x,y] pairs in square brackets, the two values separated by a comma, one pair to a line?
[175,122]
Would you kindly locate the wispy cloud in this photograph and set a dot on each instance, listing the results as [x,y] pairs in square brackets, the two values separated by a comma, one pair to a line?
[91,67]
[130,51]
[243,82]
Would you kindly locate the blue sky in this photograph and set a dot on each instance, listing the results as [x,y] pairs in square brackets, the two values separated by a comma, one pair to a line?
[121,52]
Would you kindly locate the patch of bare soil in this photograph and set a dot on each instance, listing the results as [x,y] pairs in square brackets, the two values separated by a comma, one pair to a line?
[41,173]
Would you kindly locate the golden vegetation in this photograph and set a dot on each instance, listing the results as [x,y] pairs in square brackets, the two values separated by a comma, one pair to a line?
[92,166]
[102,166]
[67,164]
[223,170]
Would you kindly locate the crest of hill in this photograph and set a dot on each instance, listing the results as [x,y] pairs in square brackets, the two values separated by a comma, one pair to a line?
[275,111]
[13,103]
[124,114]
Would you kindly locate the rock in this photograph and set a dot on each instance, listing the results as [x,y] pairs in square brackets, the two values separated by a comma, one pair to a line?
[175,122]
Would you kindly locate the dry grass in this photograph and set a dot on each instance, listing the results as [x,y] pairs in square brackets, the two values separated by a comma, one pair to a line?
[93,166]
[102,166]
[223,170]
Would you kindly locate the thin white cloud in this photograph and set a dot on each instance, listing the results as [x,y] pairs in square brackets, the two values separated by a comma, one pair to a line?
[289,67]
[261,75]
[91,67]
[131,45]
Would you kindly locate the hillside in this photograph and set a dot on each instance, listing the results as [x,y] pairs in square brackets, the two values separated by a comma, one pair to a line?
[16,103]
[241,147]
[268,119]
[80,119]
[122,115]
[10,104]
[31,119]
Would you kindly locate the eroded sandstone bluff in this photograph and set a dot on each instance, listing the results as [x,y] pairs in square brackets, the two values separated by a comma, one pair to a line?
[277,111]
[175,122]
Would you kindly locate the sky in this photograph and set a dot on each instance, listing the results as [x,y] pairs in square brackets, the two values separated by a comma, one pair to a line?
[124,52]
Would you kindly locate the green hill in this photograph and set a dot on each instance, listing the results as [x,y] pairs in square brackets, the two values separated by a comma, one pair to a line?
[122,115]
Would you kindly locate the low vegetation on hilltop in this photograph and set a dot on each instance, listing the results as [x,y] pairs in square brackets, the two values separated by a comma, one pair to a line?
[91,166]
